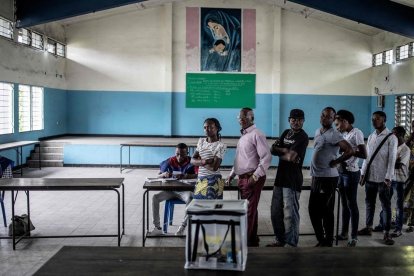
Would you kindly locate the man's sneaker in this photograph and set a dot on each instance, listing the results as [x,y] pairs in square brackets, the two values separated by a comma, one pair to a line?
[276,244]
[396,234]
[180,231]
[378,228]
[367,231]
[156,231]
[352,243]
[388,240]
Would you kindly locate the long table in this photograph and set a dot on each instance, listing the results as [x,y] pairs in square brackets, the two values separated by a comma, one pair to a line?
[338,261]
[179,186]
[63,184]
[164,142]
[18,147]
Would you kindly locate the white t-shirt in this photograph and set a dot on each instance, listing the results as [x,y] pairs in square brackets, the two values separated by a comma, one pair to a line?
[355,138]
[210,150]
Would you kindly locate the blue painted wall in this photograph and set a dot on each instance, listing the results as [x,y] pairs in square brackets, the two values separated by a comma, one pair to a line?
[149,113]
[95,112]
[55,120]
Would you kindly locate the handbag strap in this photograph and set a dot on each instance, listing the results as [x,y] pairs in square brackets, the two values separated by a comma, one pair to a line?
[375,153]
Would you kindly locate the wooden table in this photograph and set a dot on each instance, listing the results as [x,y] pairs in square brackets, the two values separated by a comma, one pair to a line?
[18,147]
[178,186]
[64,184]
[322,261]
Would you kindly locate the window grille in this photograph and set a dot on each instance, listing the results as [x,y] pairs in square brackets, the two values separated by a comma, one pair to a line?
[37,41]
[51,46]
[6,108]
[377,59]
[404,110]
[402,52]
[6,28]
[25,36]
[60,50]
[31,108]
[389,55]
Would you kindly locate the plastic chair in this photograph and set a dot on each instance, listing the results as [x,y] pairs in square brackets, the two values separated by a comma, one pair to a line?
[169,212]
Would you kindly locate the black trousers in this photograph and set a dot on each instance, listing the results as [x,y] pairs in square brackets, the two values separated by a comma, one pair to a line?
[321,207]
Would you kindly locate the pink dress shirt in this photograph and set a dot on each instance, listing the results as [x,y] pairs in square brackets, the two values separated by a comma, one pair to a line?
[252,153]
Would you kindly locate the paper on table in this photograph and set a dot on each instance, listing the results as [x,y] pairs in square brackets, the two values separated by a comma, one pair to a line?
[189,181]
[156,179]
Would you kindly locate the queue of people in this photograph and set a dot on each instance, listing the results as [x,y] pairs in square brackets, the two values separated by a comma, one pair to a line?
[338,148]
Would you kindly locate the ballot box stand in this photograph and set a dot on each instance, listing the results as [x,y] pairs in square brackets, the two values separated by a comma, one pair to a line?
[216,235]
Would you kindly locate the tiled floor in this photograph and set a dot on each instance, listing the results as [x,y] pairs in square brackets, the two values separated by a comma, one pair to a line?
[95,212]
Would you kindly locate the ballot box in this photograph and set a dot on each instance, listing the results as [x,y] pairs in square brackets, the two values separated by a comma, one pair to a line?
[216,235]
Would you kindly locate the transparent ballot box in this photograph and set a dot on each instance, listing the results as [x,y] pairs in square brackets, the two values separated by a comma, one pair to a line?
[217,235]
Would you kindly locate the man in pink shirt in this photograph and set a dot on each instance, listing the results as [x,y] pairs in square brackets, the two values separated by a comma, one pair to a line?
[250,165]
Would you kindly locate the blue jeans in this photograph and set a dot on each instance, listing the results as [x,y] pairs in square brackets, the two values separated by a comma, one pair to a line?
[285,215]
[398,187]
[348,188]
[371,191]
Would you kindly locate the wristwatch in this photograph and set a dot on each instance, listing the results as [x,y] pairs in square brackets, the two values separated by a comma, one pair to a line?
[255,178]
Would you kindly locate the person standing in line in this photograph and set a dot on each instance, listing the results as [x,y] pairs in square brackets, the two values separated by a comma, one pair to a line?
[208,156]
[349,175]
[250,165]
[400,177]
[291,149]
[378,175]
[327,142]
[409,189]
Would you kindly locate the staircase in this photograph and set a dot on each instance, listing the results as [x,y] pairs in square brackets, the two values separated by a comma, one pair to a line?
[51,153]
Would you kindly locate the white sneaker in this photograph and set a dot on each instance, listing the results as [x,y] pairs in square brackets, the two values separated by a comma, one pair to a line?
[156,232]
[180,231]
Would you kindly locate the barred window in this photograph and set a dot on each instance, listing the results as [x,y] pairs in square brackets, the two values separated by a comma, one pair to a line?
[6,108]
[377,59]
[30,108]
[60,50]
[51,46]
[389,56]
[25,36]
[37,41]
[6,28]
[402,52]
[404,108]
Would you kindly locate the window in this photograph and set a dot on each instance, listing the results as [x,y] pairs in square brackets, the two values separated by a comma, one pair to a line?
[25,36]
[377,59]
[51,46]
[37,40]
[30,108]
[402,52]
[60,49]
[6,28]
[389,55]
[404,108]
[6,108]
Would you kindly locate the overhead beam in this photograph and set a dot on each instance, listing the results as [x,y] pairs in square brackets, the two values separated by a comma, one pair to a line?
[382,14]
[30,13]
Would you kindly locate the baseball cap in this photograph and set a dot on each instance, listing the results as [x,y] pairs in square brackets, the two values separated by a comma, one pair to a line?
[297,114]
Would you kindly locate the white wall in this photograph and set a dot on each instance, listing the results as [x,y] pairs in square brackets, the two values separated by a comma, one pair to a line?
[144,50]
[123,52]
[396,78]
[321,58]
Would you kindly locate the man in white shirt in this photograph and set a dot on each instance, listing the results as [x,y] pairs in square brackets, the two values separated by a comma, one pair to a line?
[377,177]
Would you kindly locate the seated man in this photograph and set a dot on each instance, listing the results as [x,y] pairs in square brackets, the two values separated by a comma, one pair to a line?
[179,166]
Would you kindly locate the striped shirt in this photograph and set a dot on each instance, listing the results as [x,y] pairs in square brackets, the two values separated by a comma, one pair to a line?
[207,151]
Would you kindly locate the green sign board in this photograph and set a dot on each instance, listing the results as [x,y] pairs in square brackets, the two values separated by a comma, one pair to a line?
[220,90]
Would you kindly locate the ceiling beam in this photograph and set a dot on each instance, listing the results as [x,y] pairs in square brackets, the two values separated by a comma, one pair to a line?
[382,14]
[30,13]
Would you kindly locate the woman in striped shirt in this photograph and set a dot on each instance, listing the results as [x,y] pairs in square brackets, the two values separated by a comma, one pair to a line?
[208,156]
